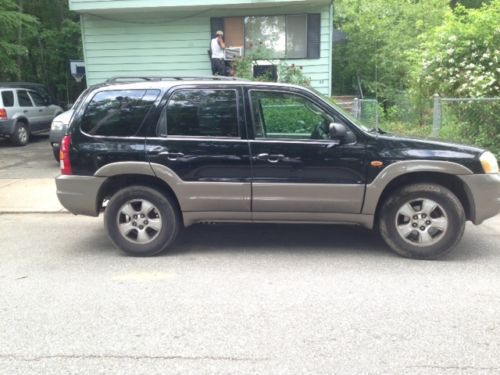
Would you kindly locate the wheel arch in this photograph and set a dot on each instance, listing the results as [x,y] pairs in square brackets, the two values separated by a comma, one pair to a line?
[119,181]
[24,120]
[450,181]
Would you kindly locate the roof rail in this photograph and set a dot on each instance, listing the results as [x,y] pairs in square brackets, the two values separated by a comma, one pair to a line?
[128,79]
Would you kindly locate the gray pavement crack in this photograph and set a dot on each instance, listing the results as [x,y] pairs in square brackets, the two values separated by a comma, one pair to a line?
[132,357]
[453,367]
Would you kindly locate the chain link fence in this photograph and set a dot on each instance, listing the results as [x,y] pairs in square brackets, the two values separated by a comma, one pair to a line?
[473,121]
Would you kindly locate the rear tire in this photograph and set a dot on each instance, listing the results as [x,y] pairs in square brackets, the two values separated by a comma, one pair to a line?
[422,221]
[141,221]
[21,134]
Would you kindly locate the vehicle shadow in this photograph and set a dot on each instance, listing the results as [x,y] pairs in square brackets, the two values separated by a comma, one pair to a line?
[34,138]
[291,238]
[298,239]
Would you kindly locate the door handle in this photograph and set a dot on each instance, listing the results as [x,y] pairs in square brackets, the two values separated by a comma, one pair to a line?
[40,110]
[25,111]
[273,158]
[171,155]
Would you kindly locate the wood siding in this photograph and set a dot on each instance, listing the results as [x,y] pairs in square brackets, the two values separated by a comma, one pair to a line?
[176,44]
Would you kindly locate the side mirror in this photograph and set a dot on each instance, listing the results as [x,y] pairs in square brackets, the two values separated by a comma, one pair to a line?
[337,131]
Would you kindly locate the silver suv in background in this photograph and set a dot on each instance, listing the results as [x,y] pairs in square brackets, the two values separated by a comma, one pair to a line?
[24,112]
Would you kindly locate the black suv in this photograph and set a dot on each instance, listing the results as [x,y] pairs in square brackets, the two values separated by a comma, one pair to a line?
[166,153]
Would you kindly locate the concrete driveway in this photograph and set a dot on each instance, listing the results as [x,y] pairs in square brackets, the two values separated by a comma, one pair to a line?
[27,177]
[32,161]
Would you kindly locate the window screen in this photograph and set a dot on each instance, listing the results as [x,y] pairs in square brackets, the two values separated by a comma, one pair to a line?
[118,112]
[23,99]
[212,113]
[8,98]
[296,36]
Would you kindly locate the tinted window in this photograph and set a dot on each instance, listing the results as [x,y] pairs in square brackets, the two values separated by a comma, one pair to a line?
[8,98]
[37,99]
[211,113]
[118,112]
[282,115]
[23,99]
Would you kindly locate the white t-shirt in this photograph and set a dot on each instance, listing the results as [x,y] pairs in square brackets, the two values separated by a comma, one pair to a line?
[217,51]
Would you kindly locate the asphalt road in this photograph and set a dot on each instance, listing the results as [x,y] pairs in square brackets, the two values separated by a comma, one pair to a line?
[267,299]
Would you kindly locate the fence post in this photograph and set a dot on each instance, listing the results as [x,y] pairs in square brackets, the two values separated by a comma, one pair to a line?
[355,108]
[437,116]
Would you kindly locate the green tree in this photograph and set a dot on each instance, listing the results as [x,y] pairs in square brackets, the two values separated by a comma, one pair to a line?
[50,37]
[15,25]
[461,57]
[380,34]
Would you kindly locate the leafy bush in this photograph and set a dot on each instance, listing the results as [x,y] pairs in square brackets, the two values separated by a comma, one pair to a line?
[461,59]
[286,73]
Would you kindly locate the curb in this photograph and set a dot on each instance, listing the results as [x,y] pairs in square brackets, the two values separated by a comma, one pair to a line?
[17,212]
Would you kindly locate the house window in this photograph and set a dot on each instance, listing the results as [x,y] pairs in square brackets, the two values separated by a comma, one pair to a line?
[275,37]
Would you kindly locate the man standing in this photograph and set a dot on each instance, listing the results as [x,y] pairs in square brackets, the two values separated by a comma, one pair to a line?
[217,48]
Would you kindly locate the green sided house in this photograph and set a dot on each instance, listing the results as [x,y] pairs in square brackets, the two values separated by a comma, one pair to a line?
[171,37]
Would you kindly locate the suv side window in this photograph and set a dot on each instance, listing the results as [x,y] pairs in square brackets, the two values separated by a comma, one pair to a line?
[39,102]
[24,99]
[117,113]
[284,115]
[201,112]
[8,98]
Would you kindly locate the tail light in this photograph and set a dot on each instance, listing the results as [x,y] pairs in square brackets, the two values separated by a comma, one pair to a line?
[64,155]
[3,114]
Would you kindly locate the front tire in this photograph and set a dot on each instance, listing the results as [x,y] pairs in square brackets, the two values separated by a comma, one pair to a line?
[141,221]
[422,221]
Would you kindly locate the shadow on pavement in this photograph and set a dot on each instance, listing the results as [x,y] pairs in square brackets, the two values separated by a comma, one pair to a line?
[34,138]
[262,238]
[293,238]
[300,239]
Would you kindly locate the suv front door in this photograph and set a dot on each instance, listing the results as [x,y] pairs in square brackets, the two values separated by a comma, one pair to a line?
[201,139]
[42,110]
[298,171]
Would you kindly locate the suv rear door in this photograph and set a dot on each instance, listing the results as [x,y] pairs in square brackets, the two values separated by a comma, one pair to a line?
[297,168]
[201,138]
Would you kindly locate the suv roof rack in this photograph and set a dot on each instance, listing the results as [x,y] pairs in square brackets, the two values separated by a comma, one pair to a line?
[124,79]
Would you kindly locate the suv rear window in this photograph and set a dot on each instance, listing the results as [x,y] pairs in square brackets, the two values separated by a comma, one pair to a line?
[201,112]
[117,113]
[8,98]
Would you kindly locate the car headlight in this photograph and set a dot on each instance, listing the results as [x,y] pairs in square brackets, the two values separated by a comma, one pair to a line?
[489,162]
[56,126]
